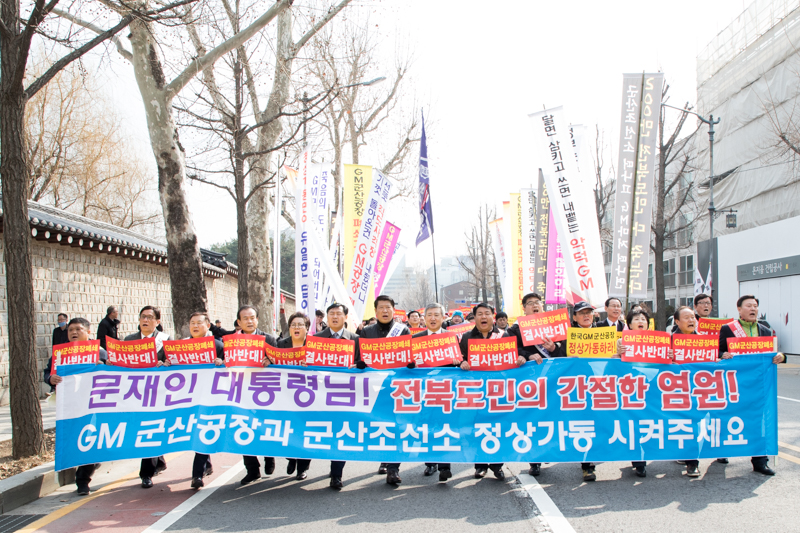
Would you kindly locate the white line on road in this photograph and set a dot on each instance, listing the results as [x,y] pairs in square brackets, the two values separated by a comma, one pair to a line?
[550,513]
[180,511]
[789,399]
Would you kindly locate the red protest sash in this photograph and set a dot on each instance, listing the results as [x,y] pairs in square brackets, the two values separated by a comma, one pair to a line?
[711,326]
[460,329]
[551,324]
[738,330]
[391,352]
[643,346]
[330,352]
[740,346]
[244,350]
[436,350]
[199,351]
[286,356]
[492,354]
[132,354]
[76,353]
[694,348]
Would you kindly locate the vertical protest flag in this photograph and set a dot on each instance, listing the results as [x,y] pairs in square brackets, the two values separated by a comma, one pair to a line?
[699,286]
[556,273]
[303,251]
[355,186]
[517,278]
[366,250]
[498,244]
[386,247]
[397,257]
[542,234]
[573,209]
[528,211]
[425,210]
[321,183]
[507,223]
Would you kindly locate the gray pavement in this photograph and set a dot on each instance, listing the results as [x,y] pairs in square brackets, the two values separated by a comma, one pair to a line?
[48,418]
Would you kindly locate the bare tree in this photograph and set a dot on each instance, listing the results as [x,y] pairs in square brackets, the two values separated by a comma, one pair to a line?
[604,185]
[675,199]
[419,292]
[480,267]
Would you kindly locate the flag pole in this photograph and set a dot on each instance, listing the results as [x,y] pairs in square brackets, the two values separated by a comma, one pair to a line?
[435,280]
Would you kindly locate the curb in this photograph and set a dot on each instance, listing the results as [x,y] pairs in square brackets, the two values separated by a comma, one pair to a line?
[29,486]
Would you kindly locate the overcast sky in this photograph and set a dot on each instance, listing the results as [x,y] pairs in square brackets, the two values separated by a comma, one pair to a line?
[482,68]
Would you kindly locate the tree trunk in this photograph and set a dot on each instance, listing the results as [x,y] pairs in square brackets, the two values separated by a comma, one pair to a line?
[26,413]
[659,225]
[185,265]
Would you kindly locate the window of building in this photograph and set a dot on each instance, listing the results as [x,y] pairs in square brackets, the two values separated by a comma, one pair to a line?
[686,273]
[669,273]
[650,277]
[688,302]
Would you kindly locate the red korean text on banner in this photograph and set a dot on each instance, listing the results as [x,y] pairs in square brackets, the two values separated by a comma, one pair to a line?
[199,351]
[642,346]
[286,356]
[401,315]
[552,324]
[492,354]
[460,329]
[244,350]
[76,353]
[745,345]
[694,348]
[466,310]
[330,352]
[414,331]
[132,354]
[592,342]
[711,326]
[391,352]
[436,350]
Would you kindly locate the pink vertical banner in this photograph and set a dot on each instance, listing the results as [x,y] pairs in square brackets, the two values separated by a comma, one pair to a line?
[386,248]
[556,273]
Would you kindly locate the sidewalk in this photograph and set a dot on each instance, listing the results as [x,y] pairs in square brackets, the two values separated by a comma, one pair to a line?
[48,418]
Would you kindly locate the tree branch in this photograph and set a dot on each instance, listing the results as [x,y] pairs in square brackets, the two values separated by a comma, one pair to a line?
[310,33]
[88,25]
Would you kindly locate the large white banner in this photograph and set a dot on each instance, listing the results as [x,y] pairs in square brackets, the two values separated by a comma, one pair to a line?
[303,251]
[366,250]
[528,204]
[320,192]
[573,208]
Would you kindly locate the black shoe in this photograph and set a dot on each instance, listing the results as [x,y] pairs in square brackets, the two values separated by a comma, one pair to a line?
[250,477]
[393,478]
[336,483]
[198,483]
[430,470]
[535,469]
[208,471]
[445,474]
[589,475]
[480,472]
[159,469]
[499,474]
[641,472]
[382,469]
[269,467]
[147,482]
[692,471]
[291,466]
[723,461]
[301,475]
[83,489]
[764,469]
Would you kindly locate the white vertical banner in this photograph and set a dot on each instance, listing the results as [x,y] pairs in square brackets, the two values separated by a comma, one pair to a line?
[508,279]
[321,183]
[366,249]
[528,207]
[573,208]
[498,243]
[303,249]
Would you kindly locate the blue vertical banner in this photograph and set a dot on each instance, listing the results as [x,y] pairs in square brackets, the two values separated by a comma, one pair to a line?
[425,212]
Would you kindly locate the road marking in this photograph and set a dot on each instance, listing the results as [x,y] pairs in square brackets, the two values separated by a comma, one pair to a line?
[788,399]
[551,516]
[788,446]
[788,457]
[180,511]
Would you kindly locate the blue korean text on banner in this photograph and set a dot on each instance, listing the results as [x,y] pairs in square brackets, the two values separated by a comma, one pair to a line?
[563,410]
[425,211]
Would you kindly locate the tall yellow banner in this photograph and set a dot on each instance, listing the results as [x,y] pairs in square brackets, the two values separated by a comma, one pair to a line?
[356,184]
[517,276]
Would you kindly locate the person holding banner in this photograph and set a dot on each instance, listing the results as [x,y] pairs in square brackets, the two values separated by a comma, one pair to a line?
[614,313]
[149,321]
[247,319]
[299,324]
[748,326]
[686,322]
[484,329]
[77,331]
[337,316]
[386,326]
[434,316]
[637,319]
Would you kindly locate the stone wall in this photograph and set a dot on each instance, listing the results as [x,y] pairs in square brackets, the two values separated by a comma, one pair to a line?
[84,283]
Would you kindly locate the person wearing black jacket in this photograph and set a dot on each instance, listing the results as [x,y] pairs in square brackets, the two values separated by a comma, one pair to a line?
[613,315]
[484,329]
[748,326]
[77,330]
[386,326]
[247,318]
[337,316]
[108,326]
[60,335]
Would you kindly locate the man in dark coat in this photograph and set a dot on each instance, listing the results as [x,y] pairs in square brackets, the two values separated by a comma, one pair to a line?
[60,335]
[614,316]
[386,326]
[108,326]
